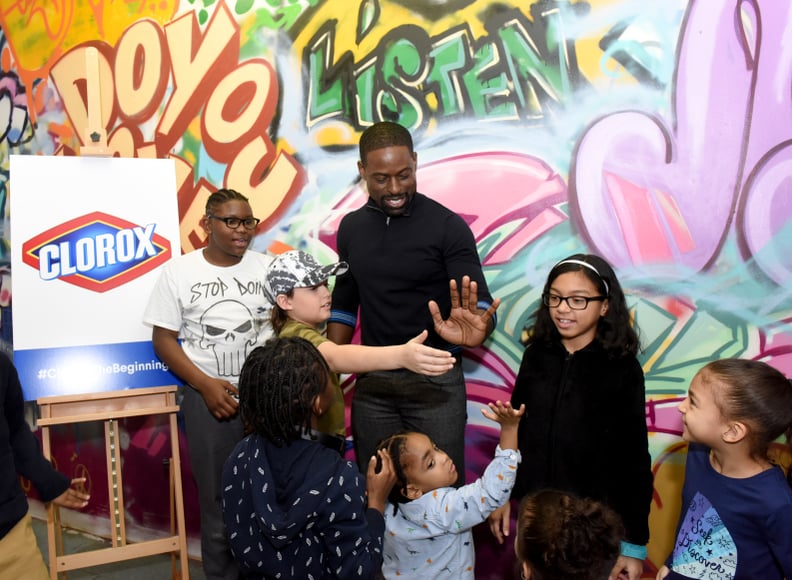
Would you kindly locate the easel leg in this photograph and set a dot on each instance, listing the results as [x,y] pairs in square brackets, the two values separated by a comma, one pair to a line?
[172,513]
[178,497]
[54,541]
[115,483]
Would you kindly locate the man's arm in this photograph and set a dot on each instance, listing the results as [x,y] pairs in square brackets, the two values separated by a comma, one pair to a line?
[339,333]
[346,297]
[475,305]
[216,392]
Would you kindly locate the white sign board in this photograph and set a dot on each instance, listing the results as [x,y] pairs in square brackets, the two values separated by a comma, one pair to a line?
[88,238]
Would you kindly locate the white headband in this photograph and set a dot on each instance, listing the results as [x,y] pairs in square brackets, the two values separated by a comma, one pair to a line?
[590,267]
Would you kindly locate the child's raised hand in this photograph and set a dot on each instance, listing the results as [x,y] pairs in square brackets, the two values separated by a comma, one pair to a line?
[503,413]
[509,419]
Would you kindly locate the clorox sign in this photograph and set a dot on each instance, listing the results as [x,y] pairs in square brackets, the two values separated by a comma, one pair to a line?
[96,251]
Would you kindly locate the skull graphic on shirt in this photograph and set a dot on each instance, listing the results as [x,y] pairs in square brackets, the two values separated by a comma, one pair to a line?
[229,330]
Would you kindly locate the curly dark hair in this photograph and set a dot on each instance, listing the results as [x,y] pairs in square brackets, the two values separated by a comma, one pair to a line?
[563,537]
[279,383]
[221,196]
[756,394]
[395,445]
[615,331]
[382,135]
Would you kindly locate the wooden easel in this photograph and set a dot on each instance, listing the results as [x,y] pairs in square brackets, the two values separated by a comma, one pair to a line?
[110,407]
[95,136]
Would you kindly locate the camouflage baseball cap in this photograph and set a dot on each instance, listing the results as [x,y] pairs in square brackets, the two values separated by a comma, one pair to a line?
[297,269]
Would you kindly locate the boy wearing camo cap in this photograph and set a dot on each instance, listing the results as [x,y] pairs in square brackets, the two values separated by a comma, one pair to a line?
[297,286]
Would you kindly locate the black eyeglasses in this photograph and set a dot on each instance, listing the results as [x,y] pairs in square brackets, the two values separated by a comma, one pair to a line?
[574,302]
[233,223]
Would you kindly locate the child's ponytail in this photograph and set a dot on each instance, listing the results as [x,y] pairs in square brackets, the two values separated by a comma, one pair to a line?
[758,395]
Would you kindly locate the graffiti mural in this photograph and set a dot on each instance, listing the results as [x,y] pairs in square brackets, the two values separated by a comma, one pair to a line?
[657,133]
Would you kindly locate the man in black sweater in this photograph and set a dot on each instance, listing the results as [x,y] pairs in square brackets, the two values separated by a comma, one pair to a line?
[403,248]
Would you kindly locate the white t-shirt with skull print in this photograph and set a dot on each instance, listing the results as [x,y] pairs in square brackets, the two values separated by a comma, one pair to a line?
[220,313]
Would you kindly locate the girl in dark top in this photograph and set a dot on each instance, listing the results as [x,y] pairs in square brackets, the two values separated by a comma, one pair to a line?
[584,428]
[736,518]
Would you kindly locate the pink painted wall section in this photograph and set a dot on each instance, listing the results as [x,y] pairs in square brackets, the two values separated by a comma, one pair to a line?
[657,133]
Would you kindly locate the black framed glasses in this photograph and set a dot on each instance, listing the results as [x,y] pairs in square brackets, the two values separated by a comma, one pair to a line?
[574,302]
[233,223]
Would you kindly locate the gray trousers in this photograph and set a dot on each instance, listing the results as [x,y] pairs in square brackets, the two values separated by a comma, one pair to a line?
[387,402]
[210,442]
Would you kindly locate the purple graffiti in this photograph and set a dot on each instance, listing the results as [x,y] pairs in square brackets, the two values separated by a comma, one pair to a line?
[646,189]
[14,119]
[765,218]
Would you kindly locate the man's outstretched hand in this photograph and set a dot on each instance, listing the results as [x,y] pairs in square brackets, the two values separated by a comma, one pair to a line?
[466,325]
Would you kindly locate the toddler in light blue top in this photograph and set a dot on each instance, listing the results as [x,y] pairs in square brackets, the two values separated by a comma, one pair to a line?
[428,522]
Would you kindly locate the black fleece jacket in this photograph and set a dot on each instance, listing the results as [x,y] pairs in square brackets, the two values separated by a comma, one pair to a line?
[584,430]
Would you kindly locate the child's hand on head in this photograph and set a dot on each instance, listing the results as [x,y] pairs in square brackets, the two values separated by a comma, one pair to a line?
[503,413]
[380,481]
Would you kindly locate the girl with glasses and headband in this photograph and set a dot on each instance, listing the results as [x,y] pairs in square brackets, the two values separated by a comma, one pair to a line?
[584,428]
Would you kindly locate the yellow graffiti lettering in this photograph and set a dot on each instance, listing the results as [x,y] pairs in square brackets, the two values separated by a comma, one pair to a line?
[270,193]
[140,60]
[239,108]
[195,68]
[122,141]
[233,102]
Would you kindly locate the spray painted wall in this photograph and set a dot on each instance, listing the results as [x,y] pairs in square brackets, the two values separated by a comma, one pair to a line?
[657,133]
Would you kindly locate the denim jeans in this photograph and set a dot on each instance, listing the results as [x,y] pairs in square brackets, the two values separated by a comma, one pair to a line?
[386,402]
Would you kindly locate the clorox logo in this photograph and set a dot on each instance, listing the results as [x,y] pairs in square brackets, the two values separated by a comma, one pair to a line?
[97,252]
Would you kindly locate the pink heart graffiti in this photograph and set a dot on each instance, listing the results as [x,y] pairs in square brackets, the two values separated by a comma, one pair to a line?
[647,189]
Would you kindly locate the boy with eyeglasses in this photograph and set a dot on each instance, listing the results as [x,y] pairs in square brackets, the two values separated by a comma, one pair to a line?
[209,311]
